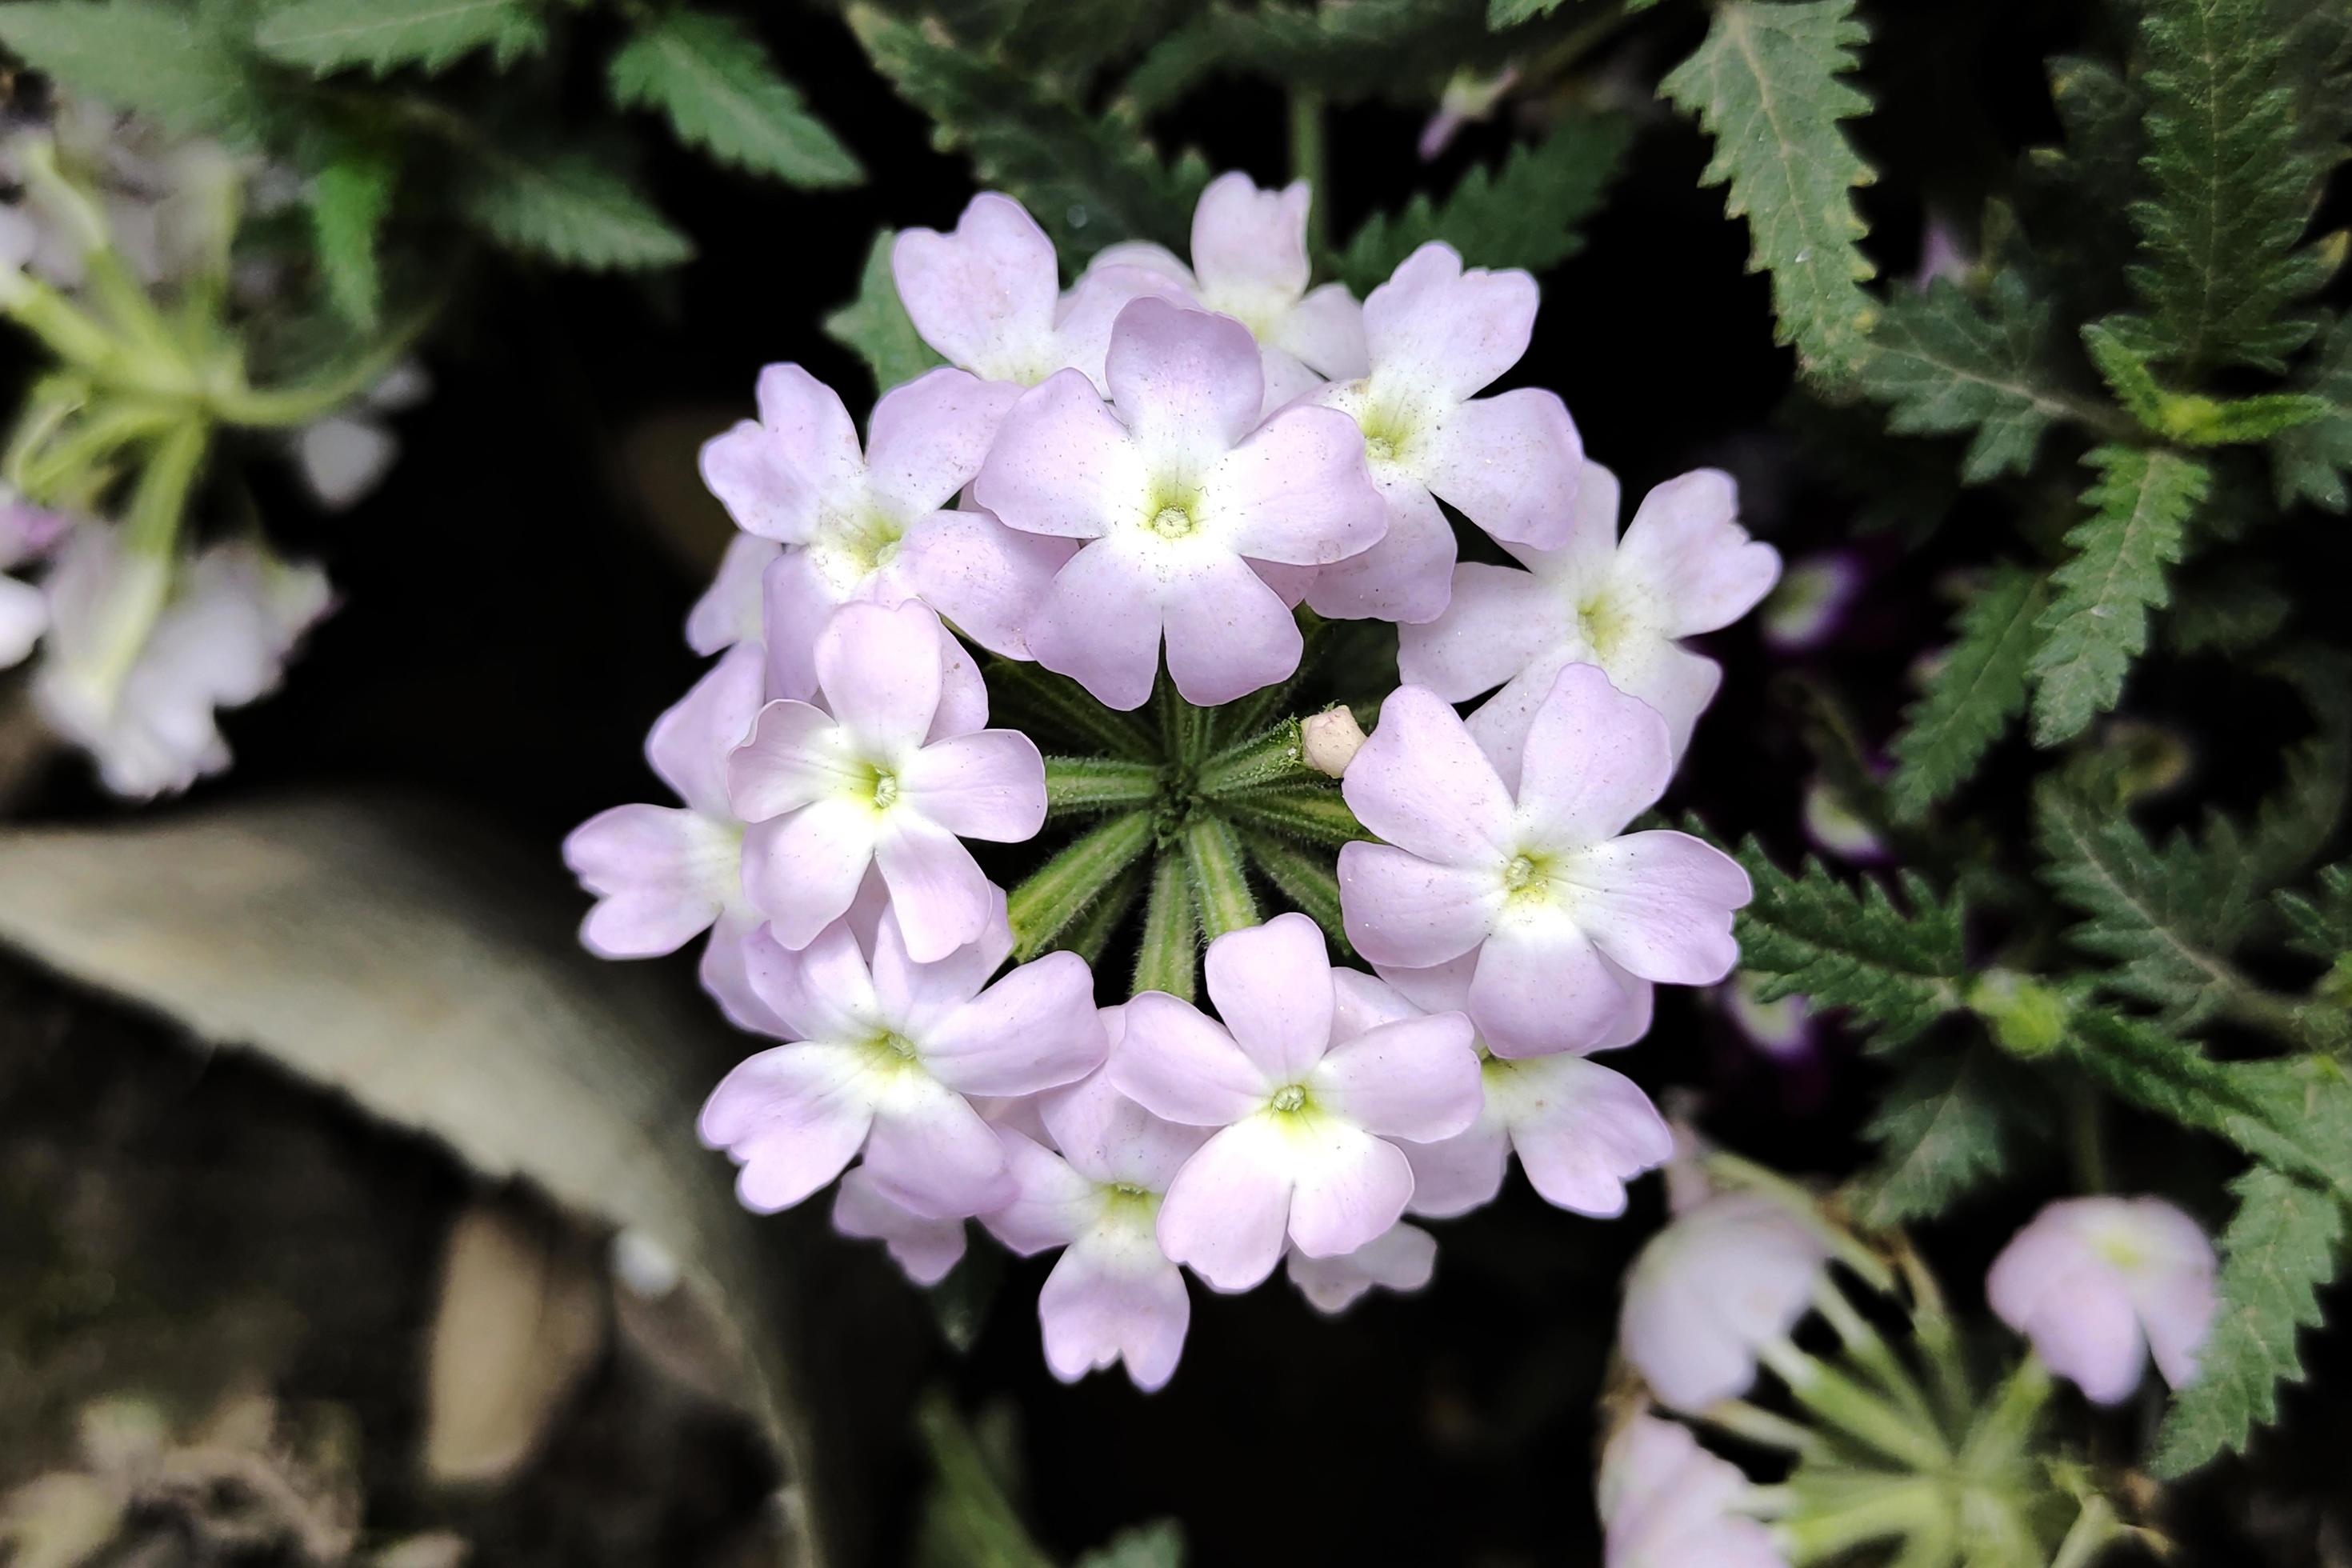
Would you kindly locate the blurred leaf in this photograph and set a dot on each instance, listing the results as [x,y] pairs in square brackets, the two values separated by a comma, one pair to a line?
[384,35]
[2321,921]
[2309,461]
[1943,1129]
[2230,188]
[1976,688]
[170,63]
[568,207]
[1847,945]
[715,83]
[1346,50]
[874,327]
[1766,85]
[967,1520]
[1157,1545]
[2279,1250]
[1946,369]
[1525,213]
[2097,620]
[350,199]
[1089,182]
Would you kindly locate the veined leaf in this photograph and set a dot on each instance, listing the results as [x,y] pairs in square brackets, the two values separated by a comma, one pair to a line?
[1347,50]
[2168,920]
[1766,84]
[714,82]
[1946,369]
[2097,620]
[1976,690]
[571,208]
[348,200]
[2321,921]
[1525,213]
[170,63]
[2277,1252]
[1943,1129]
[2232,186]
[874,326]
[2309,461]
[1847,945]
[1088,181]
[383,35]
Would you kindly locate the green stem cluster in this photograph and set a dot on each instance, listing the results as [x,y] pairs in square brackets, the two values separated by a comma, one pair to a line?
[1196,817]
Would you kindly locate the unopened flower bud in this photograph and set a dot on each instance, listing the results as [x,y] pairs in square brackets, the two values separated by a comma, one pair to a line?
[1331,740]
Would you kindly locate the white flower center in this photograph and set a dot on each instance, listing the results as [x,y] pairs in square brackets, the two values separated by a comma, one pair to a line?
[850,549]
[1172,522]
[885,790]
[1291,1099]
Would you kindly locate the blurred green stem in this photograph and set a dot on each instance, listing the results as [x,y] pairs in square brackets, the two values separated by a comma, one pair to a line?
[1306,162]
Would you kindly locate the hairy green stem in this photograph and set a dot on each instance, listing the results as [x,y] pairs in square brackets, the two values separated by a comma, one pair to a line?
[1220,885]
[1169,952]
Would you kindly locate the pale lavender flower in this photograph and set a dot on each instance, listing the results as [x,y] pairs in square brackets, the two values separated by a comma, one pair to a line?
[858,783]
[1250,262]
[1114,1295]
[875,527]
[729,610]
[1582,1130]
[1833,823]
[988,296]
[1436,336]
[1784,1028]
[140,653]
[1684,567]
[1305,1119]
[662,875]
[1555,903]
[1811,602]
[1402,1258]
[27,533]
[1174,495]
[883,1056]
[1725,1278]
[926,1249]
[2097,1284]
[1665,1502]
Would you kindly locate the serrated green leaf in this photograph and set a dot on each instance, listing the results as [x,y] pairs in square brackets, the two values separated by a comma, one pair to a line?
[1525,214]
[716,85]
[1766,84]
[1169,957]
[2309,462]
[1846,945]
[1345,50]
[1945,368]
[2097,620]
[1943,1129]
[2168,920]
[1061,890]
[2121,347]
[2278,1250]
[348,200]
[1976,688]
[875,325]
[384,35]
[1088,181]
[2116,348]
[2232,186]
[568,207]
[2321,921]
[171,63]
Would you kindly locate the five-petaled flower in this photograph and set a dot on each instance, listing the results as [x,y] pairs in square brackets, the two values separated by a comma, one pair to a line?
[2099,1284]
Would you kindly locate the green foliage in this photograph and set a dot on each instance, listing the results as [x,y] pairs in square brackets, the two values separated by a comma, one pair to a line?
[2097,620]
[2321,921]
[2279,1250]
[1221,889]
[1345,50]
[1943,1129]
[1090,181]
[874,327]
[2232,186]
[2120,349]
[384,35]
[2167,920]
[715,84]
[1766,84]
[1074,784]
[2309,461]
[1977,690]
[1062,890]
[1848,946]
[1525,213]
[1501,14]
[177,65]
[1945,368]
[350,199]
[1160,1545]
[1168,956]
[568,207]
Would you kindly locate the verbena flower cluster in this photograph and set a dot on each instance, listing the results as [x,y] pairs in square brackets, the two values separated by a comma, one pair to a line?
[1154,470]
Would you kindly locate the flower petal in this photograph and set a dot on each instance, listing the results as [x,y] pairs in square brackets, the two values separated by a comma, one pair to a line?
[1099,625]
[1272,985]
[802,869]
[988,785]
[1187,383]
[1402,1260]
[1063,464]
[1447,330]
[1228,632]
[1660,903]
[1543,986]
[1459,1173]
[1326,330]
[1111,1297]
[926,439]
[1416,1078]
[880,672]
[725,971]
[985,578]
[729,610]
[822,991]
[1421,783]
[796,756]
[1350,1187]
[1296,491]
[1582,1130]
[983,296]
[1225,1213]
[1034,1029]
[1111,1140]
[1052,1203]
[1685,546]
[660,873]
[1399,909]
[931,1151]
[1407,576]
[938,890]
[1511,464]
[688,745]
[1497,622]
[796,600]
[1594,760]
[1184,1066]
[926,1249]
[792,1117]
[1246,238]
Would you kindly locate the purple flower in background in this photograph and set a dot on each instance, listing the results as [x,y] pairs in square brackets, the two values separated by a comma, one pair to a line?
[2099,1284]
[1665,1502]
[1809,604]
[1725,1278]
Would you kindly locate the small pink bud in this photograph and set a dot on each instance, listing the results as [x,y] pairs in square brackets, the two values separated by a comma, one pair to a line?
[1331,740]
